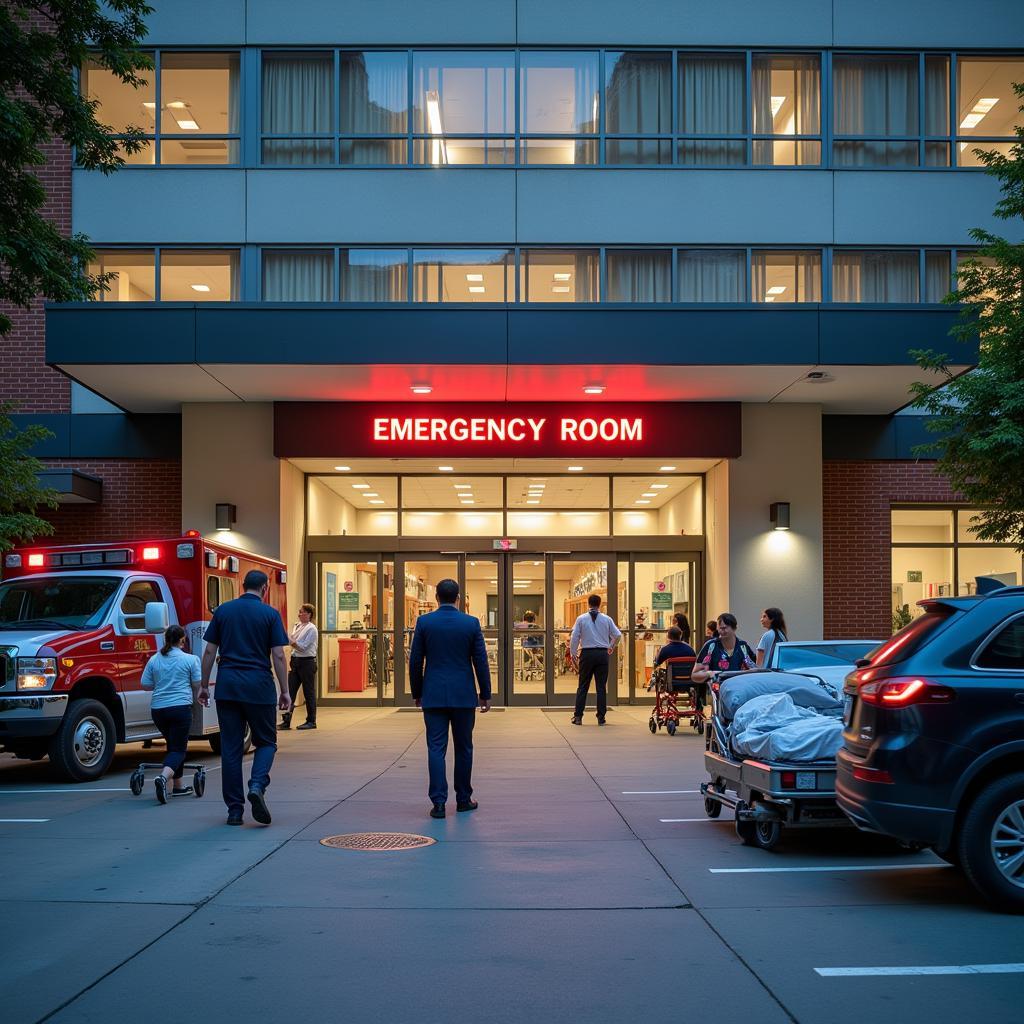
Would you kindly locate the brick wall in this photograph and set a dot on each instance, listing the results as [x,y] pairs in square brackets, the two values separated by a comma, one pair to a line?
[857,497]
[140,498]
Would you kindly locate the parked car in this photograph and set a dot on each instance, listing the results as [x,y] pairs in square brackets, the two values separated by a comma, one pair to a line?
[933,745]
[831,660]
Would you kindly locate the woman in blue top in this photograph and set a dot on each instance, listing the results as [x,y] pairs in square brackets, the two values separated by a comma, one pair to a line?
[174,677]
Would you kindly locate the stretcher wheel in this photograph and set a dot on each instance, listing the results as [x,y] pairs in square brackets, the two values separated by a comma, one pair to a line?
[744,829]
[137,782]
[712,808]
[653,724]
[199,783]
[671,727]
[766,834]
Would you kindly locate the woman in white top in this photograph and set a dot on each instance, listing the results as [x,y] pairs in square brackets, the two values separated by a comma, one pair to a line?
[305,638]
[773,622]
[174,677]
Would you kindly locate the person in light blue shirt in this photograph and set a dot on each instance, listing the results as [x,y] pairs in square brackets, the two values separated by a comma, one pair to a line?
[173,676]
[593,639]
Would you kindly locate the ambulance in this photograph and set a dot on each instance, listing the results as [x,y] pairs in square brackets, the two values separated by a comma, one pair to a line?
[78,624]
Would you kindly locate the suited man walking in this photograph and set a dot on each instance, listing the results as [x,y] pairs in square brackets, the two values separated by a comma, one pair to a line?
[451,646]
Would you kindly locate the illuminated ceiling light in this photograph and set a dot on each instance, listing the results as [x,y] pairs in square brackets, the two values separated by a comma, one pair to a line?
[200,287]
[978,111]
[181,113]
[658,487]
[536,563]
[561,288]
[438,150]
[446,469]
[769,298]
[776,289]
[463,487]
[648,494]
[666,469]
[777,102]
[575,469]
[477,289]
[468,501]
[640,501]
[342,469]
[378,501]
[594,389]
[562,277]
[371,494]
[474,277]
[421,389]
[533,501]
[361,487]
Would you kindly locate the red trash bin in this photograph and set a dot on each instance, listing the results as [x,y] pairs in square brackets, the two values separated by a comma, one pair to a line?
[353,664]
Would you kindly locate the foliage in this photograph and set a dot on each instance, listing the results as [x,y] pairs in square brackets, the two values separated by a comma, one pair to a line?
[980,414]
[20,493]
[41,48]
[901,617]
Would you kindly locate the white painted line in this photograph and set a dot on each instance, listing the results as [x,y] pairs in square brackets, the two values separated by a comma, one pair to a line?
[656,792]
[670,820]
[838,867]
[119,789]
[22,821]
[899,972]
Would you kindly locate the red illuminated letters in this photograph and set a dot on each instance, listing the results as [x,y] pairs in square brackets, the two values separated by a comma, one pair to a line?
[460,430]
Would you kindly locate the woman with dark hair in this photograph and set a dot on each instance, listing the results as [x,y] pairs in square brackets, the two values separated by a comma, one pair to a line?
[683,624]
[773,622]
[710,630]
[174,677]
[723,653]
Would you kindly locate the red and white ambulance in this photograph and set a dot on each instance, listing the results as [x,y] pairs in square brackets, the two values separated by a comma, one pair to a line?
[78,624]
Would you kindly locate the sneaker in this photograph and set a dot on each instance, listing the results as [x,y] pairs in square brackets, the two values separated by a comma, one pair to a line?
[306,725]
[577,721]
[187,791]
[260,811]
[160,785]
[234,818]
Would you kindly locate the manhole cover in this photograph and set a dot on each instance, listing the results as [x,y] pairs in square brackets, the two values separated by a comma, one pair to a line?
[377,841]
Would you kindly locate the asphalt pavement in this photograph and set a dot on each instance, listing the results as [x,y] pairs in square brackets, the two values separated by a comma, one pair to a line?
[589,884]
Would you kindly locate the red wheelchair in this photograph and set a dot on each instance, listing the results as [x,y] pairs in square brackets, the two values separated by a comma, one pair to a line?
[676,697]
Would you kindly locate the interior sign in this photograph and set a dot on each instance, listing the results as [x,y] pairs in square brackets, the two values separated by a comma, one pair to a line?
[461,429]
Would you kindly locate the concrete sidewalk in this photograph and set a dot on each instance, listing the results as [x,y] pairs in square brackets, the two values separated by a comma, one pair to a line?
[567,893]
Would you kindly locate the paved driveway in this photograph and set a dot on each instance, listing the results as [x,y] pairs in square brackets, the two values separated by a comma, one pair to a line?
[589,886]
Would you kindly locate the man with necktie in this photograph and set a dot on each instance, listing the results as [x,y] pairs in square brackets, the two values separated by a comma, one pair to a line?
[591,644]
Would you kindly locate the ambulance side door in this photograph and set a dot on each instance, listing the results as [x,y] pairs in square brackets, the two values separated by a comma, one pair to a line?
[135,646]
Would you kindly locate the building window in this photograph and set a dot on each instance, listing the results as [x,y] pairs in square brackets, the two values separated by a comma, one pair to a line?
[201,275]
[374,275]
[298,275]
[558,275]
[463,275]
[935,554]
[712,88]
[987,107]
[297,103]
[786,93]
[374,102]
[712,275]
[638,101]
[876,276]
[132,275]
[938,274]
[559,98]
[120,107]
[779,276]
[638,275]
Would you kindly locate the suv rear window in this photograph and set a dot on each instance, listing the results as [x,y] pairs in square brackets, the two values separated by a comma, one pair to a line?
[1006,649]
[911,638]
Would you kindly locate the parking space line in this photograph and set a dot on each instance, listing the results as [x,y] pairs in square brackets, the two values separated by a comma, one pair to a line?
[23,821]
[656,792]
[668,821]
[119,789]
[897,972]
[837,867]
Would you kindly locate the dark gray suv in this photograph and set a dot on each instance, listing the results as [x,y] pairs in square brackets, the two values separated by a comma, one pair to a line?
[933,745]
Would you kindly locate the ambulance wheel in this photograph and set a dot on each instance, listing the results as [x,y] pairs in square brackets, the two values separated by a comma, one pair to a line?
[653,724]
[671,727]
[744,829]
[766,834]
[199,783]
[136,782]
[83,747]
[712,808]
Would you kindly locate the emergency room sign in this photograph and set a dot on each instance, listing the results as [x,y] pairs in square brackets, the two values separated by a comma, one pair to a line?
[494,430]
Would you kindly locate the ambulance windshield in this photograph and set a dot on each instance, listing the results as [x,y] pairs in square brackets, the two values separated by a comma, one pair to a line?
[67,602]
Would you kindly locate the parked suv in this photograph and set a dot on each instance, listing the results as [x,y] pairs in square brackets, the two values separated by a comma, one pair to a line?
[934,739]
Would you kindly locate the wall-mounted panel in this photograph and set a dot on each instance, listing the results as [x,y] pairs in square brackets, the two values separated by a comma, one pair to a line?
[422,206]
[914,207]
[929,23]
[196,23]
[161,205]
[885,335]
[675,207]
[395,22]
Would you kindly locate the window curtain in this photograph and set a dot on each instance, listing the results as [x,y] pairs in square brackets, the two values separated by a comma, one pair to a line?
[802,270]
[711,102]
[374,275]
[638,94]
[875,277]
[298,276]
[639,276]
[708,275]
[373,102]
[875,96]
[297,101]
[938,275]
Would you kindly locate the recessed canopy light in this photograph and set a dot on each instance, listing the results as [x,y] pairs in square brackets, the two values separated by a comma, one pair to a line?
[361,487]
[640,501]
[421,389]
[446,469]
[342,469]
[594,389]
[477,289]
[562,277]
[200,287]
[474,277]
[666,469]
[575,469]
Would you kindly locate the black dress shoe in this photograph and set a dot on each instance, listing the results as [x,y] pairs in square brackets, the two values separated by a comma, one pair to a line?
[234,819]
[260,810]
[601,721]
[306,725]
[577,721]
[286,722]
[437,811]
[469,805]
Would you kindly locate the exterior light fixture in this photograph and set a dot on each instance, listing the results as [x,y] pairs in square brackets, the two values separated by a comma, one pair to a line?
[224,517]
[421,389]
[779,514]
[446,469]
[666,469]
[594,389]
[342,469]
[575,469]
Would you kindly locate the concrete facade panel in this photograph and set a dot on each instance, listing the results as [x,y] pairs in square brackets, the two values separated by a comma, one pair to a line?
[398,22]
[914,207]
[160,205]
[947,23]
[675,206]
[401,206]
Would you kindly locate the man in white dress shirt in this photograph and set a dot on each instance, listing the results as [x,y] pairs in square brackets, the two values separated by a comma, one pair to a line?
[304,639]
[593,639]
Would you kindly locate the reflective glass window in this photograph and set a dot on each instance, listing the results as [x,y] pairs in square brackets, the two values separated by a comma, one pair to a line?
[374,93]
[374,275]
[559,92]
[638,93]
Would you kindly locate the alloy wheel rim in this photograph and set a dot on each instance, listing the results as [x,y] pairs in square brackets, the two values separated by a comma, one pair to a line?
[90,741]
[1007,843]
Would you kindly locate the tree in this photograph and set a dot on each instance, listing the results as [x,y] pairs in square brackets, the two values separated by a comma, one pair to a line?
[20,492]
[41,47]
[980,414]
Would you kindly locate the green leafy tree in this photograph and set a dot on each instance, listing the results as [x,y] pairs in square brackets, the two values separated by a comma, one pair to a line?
[20,492]
[41,46]
[980,414]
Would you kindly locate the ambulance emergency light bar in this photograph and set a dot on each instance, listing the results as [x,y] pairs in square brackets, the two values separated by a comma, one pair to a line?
[111,556]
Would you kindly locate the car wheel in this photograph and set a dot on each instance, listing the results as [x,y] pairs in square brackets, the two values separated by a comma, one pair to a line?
[83,747]
[214,741]
[991,845]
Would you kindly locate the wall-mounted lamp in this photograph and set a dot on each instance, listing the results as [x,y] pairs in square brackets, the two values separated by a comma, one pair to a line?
[779,514]
[225,517]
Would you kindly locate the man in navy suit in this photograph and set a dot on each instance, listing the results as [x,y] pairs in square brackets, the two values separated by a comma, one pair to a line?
[452,645]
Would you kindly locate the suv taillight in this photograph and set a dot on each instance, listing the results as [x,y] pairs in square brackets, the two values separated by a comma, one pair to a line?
[902,692]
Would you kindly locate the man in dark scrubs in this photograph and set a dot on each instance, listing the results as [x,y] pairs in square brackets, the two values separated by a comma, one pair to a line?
[247,634]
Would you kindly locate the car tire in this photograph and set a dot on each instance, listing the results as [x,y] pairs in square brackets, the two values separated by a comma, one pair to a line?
[83,747]
[214,741]
[997,810]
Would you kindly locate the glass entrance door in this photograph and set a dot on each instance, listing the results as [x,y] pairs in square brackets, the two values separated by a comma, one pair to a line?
[416,578]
